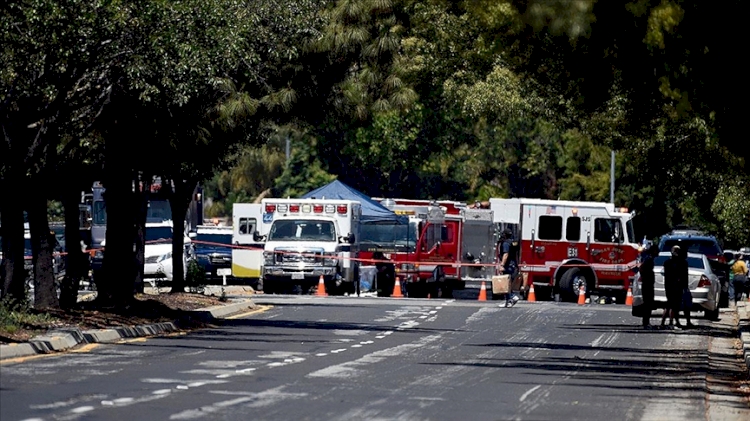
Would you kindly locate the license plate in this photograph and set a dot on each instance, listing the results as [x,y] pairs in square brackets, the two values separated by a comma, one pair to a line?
[298,276]
[224,272]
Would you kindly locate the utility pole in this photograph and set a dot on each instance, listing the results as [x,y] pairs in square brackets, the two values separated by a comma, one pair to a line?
[288,150]
[612,178]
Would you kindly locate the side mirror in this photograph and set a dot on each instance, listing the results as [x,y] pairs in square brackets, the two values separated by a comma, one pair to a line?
[257,236]
[351,239]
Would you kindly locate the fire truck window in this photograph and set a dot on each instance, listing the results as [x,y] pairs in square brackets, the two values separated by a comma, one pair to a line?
[573,229]
[446,234]
[550,227]
[608,230]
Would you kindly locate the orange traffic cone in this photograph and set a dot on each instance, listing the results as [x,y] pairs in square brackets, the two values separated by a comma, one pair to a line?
[581,296]
[321,292]
[483,292]
[397,289]
[532,294]
[629,297]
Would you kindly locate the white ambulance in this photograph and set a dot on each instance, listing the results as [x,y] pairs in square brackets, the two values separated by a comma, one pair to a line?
[248,229]
[310,238]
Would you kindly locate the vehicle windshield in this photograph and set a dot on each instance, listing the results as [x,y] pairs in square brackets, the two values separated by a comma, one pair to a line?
[302,230]
[158,234]
[100,213]
[159,209]
[631,231]
[388,237]
[212,240]
[693,262]
[707,247]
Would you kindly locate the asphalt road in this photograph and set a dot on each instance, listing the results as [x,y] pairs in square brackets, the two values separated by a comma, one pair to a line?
[311,358]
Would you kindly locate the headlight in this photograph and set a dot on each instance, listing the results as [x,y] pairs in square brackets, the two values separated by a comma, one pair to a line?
[268,258]
[165,257]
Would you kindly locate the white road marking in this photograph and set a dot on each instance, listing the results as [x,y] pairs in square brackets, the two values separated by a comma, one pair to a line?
[123,400]
[438,308]
[366,342]
[356,346]
[82,409]
[107,403]
[433,311]
[275,364]
[422,317]
[245,370]
[336,351]
[387,332]
[380,336]
[223,376]
[528,392]
[162,381]
[162,391]
[344,332]
[182,387]
[321,354]
[33,419]
[250,399]
[355,367]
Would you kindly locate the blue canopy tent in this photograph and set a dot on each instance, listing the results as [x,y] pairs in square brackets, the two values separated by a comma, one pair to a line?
[372,211]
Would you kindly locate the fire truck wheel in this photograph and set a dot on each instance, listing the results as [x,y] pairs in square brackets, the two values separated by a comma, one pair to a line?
[571,282]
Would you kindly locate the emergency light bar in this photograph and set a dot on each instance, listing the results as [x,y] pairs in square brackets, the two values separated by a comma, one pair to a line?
[307,208]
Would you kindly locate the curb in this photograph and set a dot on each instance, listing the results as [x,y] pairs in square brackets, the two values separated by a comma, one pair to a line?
[743,313]
[64,339]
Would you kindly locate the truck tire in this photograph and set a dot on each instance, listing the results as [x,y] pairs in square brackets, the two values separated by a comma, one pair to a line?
[570,283]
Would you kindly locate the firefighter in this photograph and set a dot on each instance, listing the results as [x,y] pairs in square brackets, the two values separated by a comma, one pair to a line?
[508,264]
[386,275]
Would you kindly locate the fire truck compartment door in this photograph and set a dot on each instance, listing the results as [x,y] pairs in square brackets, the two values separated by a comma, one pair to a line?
[530,236]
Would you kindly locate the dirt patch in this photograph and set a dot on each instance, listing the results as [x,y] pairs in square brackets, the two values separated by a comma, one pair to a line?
[144,309]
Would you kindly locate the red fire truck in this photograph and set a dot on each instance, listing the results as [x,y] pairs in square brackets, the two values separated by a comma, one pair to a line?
[454,247]
[565,245]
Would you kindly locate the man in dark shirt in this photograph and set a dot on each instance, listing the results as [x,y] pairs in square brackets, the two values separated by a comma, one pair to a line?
[676,287]
[508,264]
[646,272]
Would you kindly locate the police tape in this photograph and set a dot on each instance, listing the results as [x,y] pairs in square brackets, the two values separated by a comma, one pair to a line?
[416,263]
[455,264]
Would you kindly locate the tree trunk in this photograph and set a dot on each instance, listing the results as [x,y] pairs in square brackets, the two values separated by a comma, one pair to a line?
[140,233]
[76,259]
[116,287]
[179,201]
[45,291]
[14,279]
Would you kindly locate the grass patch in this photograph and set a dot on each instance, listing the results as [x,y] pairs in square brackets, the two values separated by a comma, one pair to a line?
[19,319]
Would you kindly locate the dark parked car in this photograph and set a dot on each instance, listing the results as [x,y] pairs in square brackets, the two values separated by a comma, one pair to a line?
[213,251]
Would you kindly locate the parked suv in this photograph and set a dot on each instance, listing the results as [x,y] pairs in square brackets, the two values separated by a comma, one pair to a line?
[213,251]
[694,241]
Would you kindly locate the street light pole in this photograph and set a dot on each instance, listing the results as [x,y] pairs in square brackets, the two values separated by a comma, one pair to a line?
[288,150]
[612,178]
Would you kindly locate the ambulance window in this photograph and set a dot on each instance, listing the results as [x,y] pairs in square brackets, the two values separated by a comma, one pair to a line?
[550,227]
[573,229]
[608,230]
[247,225]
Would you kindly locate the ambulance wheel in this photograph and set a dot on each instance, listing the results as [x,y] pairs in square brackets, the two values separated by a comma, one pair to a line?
[570,284]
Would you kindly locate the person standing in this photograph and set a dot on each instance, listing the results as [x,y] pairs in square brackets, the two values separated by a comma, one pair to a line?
[648,280]
[672,288]
[508,265]
[739,276]
[686,302]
